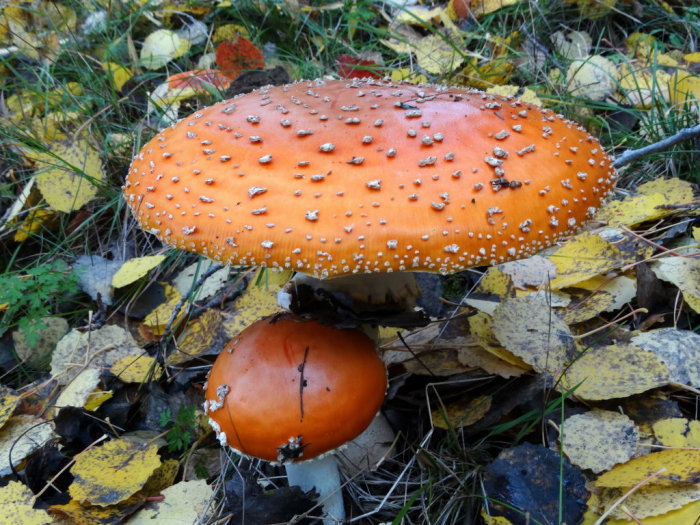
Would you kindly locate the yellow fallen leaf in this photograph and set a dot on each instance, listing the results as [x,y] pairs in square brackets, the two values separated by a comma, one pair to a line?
[493,69]
[687,514]
[614,371]
[198,337]
[594,8]
[607,295]
[684,272]
[526,94]
[678,465]
[599,439]
[530,330]
[592,78]
[684,87]
[34,223]
[677,432]
[162,46]
[678,349]
[229,32]
[405,74]
[17,506]
[184,502]
[642,87]
[68,174]
[110,473]
[647,502]
[436,54]
[9,400]
[480,8]
[77,392]
[480,328]
[259,299]
[134,269]
[157,319]
[573,44]
[139,368]
[582,258]
[118,74]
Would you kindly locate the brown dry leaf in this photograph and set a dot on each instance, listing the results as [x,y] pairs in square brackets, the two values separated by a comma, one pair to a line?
[614,371]
[677,432]
[599,439]
[679,467]
[461,413]
[17,506]
[67,174]
[678,350]
[528,328]
[110,473]
[592,78]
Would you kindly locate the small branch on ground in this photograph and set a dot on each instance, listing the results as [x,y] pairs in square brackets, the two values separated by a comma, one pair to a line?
[211,271]
[634,154]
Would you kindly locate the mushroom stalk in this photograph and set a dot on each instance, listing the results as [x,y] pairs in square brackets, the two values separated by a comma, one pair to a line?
[321,474]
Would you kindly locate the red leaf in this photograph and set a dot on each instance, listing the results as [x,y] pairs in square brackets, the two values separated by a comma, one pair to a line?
[351,67]
[237,56]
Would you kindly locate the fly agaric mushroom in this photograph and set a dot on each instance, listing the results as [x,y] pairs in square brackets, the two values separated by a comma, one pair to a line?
[334,177]
[290,390]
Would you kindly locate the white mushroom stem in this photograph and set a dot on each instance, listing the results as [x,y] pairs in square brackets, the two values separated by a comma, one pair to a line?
[321,474]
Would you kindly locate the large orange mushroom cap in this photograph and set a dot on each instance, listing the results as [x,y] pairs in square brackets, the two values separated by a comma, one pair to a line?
[339,177]
[288,388]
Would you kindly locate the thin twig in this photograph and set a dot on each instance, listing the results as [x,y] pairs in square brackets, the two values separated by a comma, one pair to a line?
[176,311]
[628,494]
[634,154]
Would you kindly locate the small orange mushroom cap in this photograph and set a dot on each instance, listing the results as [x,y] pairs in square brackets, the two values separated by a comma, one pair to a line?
[288,388]
[338,177]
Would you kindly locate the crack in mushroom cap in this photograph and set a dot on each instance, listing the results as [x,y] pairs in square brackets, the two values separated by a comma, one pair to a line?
[339,177]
